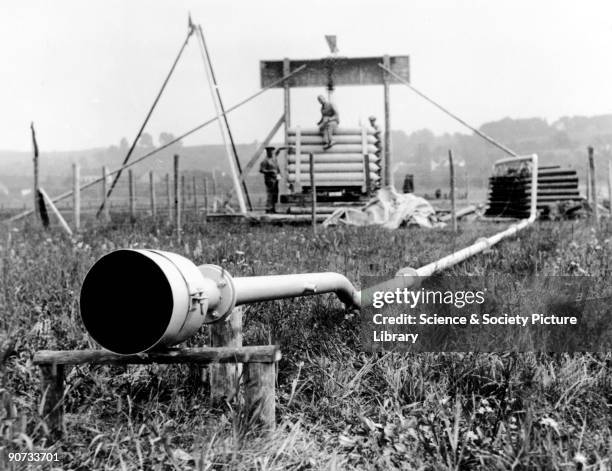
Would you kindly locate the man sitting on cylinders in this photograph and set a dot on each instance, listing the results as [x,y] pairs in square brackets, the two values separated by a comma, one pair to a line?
[329,121]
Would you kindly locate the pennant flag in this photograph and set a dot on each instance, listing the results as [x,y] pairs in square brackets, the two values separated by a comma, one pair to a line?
[332,43]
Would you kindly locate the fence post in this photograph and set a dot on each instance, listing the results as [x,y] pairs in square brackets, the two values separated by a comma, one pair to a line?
[76,196]
[214,190]
[183,193]
[177,196]
[195,196]
[169,197]
[131,195]
[593,184]
[105,203]
[313,190]
[35,162]
[152,194]
[205,183]
[225,377]
[610,186]
[451,168]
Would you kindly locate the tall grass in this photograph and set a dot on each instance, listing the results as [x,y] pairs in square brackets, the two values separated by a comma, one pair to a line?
[338,408]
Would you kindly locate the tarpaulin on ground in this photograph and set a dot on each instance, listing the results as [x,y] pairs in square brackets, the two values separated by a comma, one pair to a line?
[389,209]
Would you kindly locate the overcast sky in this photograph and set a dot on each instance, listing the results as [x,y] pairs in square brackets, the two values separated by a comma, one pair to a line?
[87,71]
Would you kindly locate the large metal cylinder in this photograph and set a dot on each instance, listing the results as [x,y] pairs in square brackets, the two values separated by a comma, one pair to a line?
[133,301]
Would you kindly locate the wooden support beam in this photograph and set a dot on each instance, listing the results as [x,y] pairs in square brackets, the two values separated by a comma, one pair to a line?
[451,169]
[298,159]
[610,186]
[177,196]
[105,202]
[52,394]
[195,196]
[152,195]
[286,98]
[76,196]
[313,191]
[225,379]
[595,208]
[205,185]
[260,382]
[388,177]
[203,355]
[368,177]
[266,142]
[169,197]
[59,216]
[132,195]
[183,193]
[36,184]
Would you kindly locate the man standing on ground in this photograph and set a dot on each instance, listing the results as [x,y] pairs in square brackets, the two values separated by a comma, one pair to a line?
[329,121]
[271,174]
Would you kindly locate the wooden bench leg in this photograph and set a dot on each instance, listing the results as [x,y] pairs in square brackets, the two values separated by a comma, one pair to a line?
[225,377]
[260,383]
[52,392]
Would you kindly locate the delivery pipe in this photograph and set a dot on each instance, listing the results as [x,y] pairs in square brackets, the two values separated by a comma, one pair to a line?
[486,242]
[137,300]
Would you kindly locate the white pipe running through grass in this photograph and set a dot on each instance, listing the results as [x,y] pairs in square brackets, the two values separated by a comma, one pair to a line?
[166,298]
[265,288]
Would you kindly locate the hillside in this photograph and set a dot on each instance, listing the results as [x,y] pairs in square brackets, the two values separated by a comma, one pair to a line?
[421,153]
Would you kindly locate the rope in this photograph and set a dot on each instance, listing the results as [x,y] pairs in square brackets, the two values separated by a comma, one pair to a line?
[140,131]
[452,115]
[207,61]
[67,194]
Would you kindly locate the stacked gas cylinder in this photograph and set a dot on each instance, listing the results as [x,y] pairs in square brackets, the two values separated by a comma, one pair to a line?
[510,192]
[341,167]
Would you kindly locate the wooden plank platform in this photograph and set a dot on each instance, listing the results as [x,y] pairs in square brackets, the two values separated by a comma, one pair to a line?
[258,362]
[202,356]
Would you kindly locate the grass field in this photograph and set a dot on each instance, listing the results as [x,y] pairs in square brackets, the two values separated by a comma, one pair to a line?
[338,408]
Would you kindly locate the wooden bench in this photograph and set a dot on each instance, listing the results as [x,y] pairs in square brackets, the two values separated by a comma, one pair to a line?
[258,374]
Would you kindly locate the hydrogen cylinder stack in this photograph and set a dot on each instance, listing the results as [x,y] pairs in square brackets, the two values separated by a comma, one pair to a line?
[352,164]
[509,192]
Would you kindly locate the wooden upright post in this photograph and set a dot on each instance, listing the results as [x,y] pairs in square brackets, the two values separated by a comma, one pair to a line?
[225,378]
[169,197]
[195,196]
[205,185]
[313,190]
[610,186]
[368,176]
[36,185]
[76,196]
[287,98]
[588,182]
[183,193]
[132,195]
[388,177]
[177,195]
[52,386]
[451,168]
[593,184]
[105,203]
[152,194]
[259,380]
